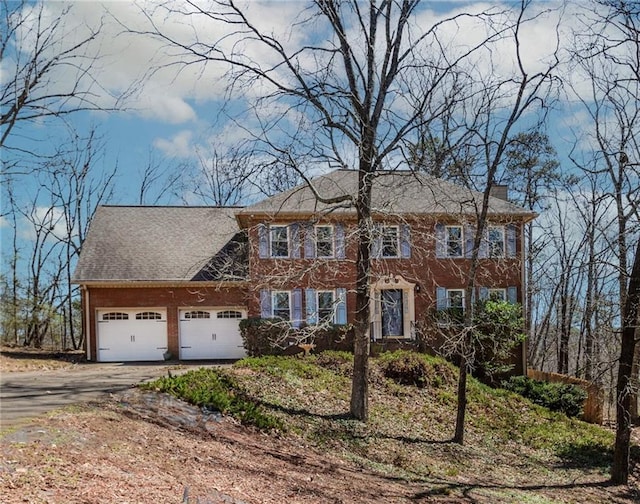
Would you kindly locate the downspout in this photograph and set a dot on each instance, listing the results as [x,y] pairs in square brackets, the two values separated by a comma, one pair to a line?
[524,287]
[87,319]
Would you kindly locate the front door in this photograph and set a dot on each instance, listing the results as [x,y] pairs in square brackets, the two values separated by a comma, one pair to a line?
[392,312]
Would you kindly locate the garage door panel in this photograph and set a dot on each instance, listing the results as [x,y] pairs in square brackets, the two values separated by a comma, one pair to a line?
[210,334]
[123,337]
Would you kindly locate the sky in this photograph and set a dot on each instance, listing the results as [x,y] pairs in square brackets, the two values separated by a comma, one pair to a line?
[170,112]
[174,113]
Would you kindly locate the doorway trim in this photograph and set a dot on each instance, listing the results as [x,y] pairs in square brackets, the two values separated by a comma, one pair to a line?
[395,282]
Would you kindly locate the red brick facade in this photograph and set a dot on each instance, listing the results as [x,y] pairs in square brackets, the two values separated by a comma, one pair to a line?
[422,273]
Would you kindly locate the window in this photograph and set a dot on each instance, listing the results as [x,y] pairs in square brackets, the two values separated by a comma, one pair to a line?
[279,240]
[390,241]
[454,241]
[148,315]
[496,241]
[324,241]
[229,314]
[455,299]
[497,294]
[115,316]
[197,314]
[281,305]
[325,305]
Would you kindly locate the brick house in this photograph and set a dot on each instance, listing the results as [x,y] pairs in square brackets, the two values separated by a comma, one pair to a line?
[177,280]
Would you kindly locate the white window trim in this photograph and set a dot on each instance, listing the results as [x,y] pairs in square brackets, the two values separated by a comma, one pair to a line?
[271,228]
[502,231]
[334,303]
[446,241]
[333,240]
[382,240]
[273,303]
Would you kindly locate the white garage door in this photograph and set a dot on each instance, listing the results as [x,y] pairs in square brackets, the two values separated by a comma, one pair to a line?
[211,334]
[132,335]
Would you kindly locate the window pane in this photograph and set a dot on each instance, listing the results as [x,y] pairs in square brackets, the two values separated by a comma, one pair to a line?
[279,241]
[325,306]
[455,298]
[390,241]
[324,241]
[496,242]
[454,241]
[497,295]
[281,305]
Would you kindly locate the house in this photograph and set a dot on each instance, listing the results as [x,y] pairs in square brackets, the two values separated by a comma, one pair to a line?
[160,281]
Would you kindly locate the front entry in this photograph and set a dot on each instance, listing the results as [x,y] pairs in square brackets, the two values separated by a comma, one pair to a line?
[392,312]
[392,308]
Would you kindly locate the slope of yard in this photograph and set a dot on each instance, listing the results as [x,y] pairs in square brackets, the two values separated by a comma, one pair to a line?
[129,449]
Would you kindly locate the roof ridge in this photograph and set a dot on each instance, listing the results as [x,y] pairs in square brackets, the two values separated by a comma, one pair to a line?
[108,205]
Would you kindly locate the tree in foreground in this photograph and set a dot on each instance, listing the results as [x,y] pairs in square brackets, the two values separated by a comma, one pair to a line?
[355,84]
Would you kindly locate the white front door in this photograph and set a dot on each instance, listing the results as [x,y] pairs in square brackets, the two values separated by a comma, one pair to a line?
[131,335]
[211,334]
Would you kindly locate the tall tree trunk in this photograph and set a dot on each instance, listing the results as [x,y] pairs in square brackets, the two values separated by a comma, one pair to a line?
[620,467]
[360,381]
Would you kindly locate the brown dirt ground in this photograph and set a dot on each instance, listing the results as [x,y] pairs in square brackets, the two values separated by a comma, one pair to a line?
[118,451]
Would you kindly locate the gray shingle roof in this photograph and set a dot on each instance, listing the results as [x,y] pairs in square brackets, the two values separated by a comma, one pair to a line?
[398,192]
[137,243]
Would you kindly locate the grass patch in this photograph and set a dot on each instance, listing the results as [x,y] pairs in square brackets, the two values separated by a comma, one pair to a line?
[411,420]
[215,389]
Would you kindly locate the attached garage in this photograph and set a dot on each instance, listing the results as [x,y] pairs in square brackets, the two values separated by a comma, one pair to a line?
[211,334]
[131,335]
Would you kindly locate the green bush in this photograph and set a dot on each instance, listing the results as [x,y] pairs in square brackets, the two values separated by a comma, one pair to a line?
[563,397]
[215,390]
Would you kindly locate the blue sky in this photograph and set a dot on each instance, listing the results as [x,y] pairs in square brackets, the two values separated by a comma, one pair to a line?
[171,116]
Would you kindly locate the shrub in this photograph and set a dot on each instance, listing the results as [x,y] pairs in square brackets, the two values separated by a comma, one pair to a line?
[563,397]
[260,336]
[273,336]
[405,368]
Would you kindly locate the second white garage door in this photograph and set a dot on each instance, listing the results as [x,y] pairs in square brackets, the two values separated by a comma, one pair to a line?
[211,334]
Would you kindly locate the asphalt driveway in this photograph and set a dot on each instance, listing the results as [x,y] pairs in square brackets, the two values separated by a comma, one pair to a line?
[29,394]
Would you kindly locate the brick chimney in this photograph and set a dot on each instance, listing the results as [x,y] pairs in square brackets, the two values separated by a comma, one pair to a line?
[500,191]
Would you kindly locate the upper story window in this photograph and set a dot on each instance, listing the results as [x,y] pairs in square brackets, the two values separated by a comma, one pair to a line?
[324,241]
[496,241]
[390,241]
[454,241]
[279,241]
[281,304]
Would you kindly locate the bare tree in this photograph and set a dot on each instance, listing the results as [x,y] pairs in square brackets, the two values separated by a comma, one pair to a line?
[608,53]
[630,322]
[357,97]
[51,217]
[347,92]
[36,55]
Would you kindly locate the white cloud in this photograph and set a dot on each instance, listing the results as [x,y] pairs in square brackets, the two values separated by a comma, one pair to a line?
[180,145]
[44,221]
